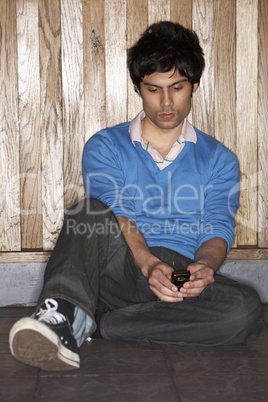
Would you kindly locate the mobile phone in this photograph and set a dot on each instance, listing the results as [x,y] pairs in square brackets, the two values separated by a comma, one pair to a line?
[179,277]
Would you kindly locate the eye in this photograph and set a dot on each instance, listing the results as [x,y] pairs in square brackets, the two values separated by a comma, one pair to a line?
[177,88]
[153,90]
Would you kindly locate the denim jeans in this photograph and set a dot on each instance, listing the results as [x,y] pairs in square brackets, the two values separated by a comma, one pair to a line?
[93,267]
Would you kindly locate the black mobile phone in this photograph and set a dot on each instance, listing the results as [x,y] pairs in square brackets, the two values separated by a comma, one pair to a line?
[179,277]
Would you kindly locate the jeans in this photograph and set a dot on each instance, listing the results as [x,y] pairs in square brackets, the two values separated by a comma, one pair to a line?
[93,267]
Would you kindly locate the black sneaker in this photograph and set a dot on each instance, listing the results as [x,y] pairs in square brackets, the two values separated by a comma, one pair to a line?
[45,341]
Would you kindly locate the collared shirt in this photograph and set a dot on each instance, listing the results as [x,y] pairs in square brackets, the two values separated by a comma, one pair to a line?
[188,134]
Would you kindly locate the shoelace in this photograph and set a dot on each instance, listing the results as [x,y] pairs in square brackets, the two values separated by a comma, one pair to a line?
[50,315]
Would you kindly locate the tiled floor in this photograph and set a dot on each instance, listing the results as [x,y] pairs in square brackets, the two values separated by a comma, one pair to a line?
[140,372]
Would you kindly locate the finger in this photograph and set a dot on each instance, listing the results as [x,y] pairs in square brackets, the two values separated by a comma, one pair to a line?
[167,289]
[193,293]
[163,287]
[162,283]
[173,298]
[197,283]
[194,288]
[207,275]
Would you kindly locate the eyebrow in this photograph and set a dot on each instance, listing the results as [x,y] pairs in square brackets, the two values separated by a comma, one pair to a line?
[158,86]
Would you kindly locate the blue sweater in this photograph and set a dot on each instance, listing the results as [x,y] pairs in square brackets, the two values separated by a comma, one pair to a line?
[190,201]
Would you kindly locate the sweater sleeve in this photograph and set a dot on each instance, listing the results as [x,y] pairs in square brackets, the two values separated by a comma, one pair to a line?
[104,176]
[221,199]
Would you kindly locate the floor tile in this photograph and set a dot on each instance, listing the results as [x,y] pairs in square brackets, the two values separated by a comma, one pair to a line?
[7,319]
[112,357]
[10,367]
[219,361]
[112,388]
[4,348]
[222,388]
[131,362]
[17,389]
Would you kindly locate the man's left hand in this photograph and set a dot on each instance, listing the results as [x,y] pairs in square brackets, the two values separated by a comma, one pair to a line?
[201,276]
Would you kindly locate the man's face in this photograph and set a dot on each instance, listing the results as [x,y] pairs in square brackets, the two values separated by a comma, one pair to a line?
[166,99]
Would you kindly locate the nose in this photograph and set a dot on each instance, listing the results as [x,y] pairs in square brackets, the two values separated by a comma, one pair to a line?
[166,99]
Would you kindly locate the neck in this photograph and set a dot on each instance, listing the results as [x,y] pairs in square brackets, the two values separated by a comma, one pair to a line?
[161,140]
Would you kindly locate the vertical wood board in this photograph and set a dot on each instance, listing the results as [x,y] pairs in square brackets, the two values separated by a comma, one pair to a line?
[73,99]
[247,72]
[137,23]
[29,114]
[94,66]
[159,10]
[181,12]
[51,120]
[263,124]
[9,135]
[115,57]
[203,99]
[225,73]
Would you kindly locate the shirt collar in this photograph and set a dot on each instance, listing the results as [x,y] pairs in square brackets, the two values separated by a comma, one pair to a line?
[188,132]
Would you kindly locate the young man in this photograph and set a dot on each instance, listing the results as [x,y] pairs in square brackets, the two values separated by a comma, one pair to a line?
[161,197]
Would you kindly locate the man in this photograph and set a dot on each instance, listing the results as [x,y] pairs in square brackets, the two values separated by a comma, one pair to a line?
[161,197]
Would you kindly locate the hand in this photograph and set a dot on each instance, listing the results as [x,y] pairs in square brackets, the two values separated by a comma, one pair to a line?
[201,276]
[159,279]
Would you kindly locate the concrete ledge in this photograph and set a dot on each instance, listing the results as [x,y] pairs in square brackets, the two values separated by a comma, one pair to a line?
[21,283]
[252,273]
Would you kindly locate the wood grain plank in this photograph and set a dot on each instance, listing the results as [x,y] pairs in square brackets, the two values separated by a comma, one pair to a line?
[73,99]
[24,257]
[51,120]
[203,99]
[263,124]
[137,22]
[94,66]
[9,140]
[181,12]
[115,56]
[248,254]
[225,73]
[159,10]
[247,134]
[29,111]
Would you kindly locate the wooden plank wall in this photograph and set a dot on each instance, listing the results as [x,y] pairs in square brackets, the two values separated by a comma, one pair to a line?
[63,77]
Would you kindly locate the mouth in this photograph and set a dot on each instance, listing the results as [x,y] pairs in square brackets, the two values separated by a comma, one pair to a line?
[167,116]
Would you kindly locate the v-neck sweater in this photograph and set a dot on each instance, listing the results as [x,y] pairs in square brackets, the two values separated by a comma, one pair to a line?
[192,200]
[187,134]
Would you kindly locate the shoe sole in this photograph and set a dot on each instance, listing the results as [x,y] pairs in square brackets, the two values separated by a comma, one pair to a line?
[34,343]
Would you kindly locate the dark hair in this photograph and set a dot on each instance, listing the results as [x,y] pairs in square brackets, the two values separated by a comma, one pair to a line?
[165,46]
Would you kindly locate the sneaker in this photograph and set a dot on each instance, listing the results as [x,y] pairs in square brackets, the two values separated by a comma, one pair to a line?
[45,341]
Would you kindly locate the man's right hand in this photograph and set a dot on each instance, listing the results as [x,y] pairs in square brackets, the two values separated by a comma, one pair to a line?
[157,272]
[159,279]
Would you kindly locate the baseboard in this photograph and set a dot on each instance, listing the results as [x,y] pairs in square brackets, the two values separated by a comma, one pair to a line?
[21,283]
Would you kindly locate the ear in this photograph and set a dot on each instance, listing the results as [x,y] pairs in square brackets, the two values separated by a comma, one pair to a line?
[195,86]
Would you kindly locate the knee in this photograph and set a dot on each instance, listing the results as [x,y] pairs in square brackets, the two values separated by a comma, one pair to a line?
[246,314]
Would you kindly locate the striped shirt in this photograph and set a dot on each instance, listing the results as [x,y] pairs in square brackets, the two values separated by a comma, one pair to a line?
[188,134]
